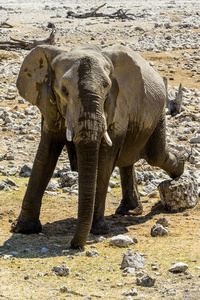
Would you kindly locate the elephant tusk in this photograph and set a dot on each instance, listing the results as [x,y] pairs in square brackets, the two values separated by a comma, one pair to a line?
[69,135]
[107,138]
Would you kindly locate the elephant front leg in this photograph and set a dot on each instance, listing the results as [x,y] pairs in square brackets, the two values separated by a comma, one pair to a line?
[43,167]
[131,200]
[105,169]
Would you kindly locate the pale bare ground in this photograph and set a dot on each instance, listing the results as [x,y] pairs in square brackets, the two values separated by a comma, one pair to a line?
[29,275]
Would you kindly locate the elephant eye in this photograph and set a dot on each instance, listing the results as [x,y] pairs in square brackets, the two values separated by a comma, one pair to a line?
[65,91]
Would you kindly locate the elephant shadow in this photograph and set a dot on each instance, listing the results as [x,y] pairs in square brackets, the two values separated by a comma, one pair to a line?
[56,236]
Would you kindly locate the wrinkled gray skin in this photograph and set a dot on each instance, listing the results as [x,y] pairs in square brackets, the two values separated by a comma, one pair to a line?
[88,92]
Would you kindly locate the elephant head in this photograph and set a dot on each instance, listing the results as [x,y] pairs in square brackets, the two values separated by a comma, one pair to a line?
[87,90]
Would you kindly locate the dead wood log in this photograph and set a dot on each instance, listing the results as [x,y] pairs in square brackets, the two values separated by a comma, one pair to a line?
[174,106]
[86,15]
[120,14]
[27,45]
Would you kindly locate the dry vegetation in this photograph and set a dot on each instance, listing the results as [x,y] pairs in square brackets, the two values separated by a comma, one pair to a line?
[30,276]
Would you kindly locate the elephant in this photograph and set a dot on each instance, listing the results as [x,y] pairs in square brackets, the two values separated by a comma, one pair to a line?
[108,107]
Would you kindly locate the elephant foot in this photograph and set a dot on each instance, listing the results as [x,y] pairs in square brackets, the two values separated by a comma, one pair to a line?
[76,244]
[176,166]
[100,227]
[126,209]
[26,227]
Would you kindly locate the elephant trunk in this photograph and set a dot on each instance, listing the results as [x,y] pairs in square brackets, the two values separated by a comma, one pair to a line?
[86,135]
[87,154]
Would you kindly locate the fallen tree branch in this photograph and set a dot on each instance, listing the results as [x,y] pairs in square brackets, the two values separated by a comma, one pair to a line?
[27,45]
[120,14]
[85,15]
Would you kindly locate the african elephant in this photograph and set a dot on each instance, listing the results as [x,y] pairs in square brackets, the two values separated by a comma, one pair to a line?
[108,107]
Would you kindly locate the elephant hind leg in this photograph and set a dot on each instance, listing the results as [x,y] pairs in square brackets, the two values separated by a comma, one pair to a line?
[157,154]
[130,202]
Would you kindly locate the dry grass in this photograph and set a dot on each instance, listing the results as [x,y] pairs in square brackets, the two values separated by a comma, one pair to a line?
[100,276]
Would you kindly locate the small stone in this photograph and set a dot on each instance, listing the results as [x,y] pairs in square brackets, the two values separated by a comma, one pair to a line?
[63,289]
[132,292]
[133,260]
[14,253]
[26,250]
[195,139]
[44,250]
[26,277]
[7,256]
[100,239]
[10,182]
[140,297]
[68,179]
[158,230]
[25,170]
[31,110]
[178,268]
[171,292]
[129,271]
[120,241]
[52,185]
[30,137]
[114,184]
[92,253]
[61,270]
[163,221]
[146,281]
[140,274]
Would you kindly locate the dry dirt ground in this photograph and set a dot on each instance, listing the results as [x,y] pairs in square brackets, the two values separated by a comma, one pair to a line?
[26,274]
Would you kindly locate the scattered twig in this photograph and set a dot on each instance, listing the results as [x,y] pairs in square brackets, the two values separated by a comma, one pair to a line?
[4,24]
[27,45]
[122,15]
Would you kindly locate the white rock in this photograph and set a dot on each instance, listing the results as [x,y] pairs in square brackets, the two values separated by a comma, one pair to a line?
[179,193]
[178,267]
[121,241]
[158,230]
[133,260]
[52,185]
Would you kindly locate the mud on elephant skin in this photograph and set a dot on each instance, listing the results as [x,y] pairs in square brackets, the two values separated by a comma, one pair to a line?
[108,107]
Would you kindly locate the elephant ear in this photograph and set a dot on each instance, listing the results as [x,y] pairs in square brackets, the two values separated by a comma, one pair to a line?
[135,85]
[34,83]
